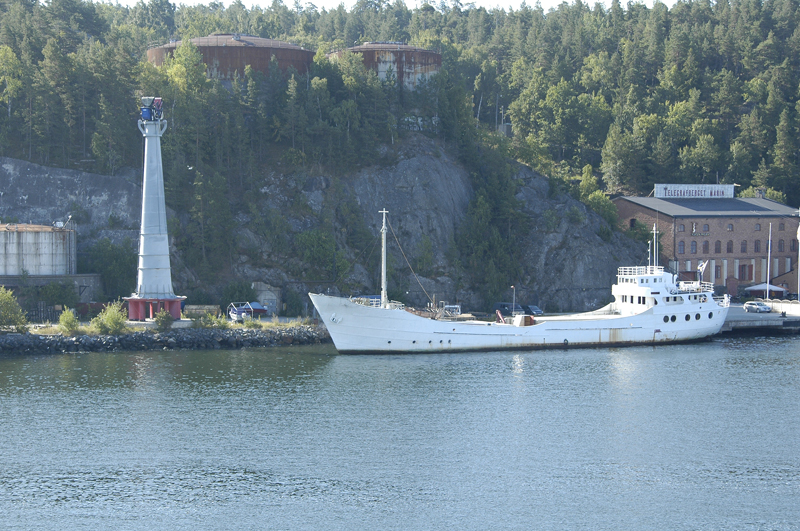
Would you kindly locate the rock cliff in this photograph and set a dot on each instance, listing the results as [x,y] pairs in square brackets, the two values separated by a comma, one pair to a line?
[566,265]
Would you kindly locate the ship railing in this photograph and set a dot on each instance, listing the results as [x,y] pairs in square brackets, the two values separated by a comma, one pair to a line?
[724,301]
[375,302]
[695,287]
[639,270]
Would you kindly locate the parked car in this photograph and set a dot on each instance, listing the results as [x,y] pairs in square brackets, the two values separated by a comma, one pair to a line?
[757,307]
[237,311]
[532,309]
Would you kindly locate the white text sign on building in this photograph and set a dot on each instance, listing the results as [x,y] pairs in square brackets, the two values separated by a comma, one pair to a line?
[693,191]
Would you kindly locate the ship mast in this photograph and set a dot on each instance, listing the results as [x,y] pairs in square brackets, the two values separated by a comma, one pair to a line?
[384,298]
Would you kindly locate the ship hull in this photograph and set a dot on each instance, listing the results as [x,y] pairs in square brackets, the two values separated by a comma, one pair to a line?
[355,328]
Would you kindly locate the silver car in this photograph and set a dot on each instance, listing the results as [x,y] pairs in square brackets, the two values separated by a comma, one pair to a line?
[757,307]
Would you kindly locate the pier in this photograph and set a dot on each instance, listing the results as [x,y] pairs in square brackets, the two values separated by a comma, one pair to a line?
[739,321]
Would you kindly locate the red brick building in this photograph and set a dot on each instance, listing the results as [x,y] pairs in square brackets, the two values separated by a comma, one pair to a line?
[705,222]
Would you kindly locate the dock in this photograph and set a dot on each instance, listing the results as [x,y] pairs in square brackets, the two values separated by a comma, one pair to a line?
[739,321]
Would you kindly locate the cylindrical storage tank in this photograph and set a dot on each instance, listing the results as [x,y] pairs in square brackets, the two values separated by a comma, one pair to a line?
[227,54]
[409,64]
[37,250]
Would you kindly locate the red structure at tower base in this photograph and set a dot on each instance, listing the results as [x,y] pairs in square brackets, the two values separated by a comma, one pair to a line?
[141,309]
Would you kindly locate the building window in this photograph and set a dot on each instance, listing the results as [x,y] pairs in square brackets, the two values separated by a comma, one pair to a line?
[694,247]
[744,246]
[729,247]
[681,228]
[757,246]
[705,228]
[730,227]
[781,246]
[681,247]
[717,246]
[745,272]
[793,245]
[705,247]
[758,226]
[717,271]
[781,226]
[633,223]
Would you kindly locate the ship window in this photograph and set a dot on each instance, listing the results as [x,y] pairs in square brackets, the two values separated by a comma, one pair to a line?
[710,315]
[697,317]
[688,316]
[672,318]
[666,319]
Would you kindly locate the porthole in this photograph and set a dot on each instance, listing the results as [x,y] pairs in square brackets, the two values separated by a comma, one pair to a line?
[697,317]
[666,319]
[414,341]
[672,318]
[390,342]
[688,317]
[710,315]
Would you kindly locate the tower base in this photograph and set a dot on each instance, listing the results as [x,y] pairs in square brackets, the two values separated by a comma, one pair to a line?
[140,309]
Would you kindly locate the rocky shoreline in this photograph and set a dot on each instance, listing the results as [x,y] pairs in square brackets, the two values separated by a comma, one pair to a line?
[182,339]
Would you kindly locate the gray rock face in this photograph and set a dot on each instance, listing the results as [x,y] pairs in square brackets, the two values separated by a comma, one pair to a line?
[566,265]
[41,195]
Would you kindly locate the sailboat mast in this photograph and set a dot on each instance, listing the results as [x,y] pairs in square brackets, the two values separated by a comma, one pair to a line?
[384,298]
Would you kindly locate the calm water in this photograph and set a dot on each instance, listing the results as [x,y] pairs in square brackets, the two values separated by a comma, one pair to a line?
[688,437]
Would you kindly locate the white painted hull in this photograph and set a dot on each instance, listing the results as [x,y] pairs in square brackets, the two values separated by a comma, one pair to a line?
[358,328]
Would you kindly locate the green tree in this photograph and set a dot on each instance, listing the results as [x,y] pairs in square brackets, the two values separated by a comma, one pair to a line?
[11,315]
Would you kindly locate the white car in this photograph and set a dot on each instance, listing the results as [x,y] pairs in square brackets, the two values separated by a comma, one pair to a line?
[757,307]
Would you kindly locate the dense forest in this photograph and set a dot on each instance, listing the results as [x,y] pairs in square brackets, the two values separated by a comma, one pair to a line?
[702,92]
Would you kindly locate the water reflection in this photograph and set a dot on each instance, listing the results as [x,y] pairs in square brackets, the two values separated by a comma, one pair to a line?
[143,369]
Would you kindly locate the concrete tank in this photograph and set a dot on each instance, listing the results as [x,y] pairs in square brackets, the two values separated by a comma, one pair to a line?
[226,54]
[409,64]
[37,250]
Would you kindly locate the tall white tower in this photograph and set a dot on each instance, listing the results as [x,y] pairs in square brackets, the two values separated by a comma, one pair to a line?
[154,277]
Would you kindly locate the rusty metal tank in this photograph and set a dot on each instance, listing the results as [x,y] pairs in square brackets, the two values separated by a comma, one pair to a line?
[226,54]
[411,65]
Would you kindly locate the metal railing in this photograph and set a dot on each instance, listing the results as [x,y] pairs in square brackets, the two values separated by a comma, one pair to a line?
[639,270]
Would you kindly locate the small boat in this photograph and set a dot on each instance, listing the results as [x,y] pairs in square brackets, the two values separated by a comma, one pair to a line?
[651,306]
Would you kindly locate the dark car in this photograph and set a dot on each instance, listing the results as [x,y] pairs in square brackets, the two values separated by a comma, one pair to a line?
[507,308]
[532,309]
[237,311]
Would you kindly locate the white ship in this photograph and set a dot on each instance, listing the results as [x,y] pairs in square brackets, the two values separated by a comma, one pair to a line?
[650,307]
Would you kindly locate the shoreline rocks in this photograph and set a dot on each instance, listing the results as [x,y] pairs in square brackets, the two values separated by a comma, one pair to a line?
[181,339]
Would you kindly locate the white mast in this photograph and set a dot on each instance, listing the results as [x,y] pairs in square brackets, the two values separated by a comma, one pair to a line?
[384,298]
[797,267]
[655,246]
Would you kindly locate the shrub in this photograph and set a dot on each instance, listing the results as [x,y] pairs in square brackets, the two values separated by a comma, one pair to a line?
[163,320]
[600,203]
[111,320]
[11,315]
[210,321]
[251,323]
[68,323]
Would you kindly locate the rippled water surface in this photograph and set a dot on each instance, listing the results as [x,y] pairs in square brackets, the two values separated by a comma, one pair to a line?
[702,436]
